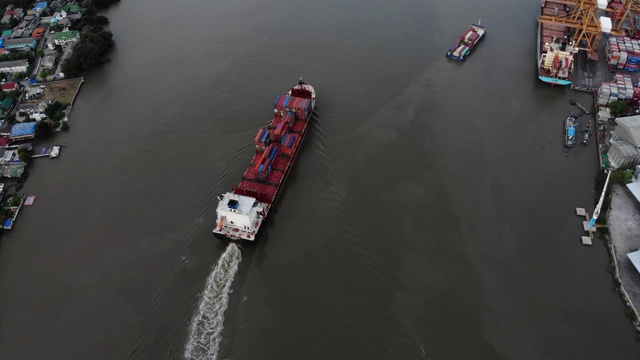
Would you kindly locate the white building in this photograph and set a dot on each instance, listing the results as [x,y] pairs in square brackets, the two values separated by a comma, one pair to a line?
[65,37]
[60,15]
[624,151]
[14,66]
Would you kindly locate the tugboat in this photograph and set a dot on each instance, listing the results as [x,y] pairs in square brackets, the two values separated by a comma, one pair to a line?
[586,134]
[569,132]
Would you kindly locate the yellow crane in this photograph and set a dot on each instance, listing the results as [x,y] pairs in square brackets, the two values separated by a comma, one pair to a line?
[580,16]
[623,17]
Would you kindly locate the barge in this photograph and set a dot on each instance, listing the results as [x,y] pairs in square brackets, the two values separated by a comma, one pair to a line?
[467,42]
[241,211]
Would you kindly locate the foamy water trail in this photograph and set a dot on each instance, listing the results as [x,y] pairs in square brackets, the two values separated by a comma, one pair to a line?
[208,320]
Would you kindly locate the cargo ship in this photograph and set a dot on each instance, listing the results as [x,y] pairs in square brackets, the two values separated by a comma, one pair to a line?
[569,133]
[555,49]
[467,42]
[241,211]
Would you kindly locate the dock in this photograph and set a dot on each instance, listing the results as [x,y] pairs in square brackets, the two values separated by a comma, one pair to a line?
[586,240]
[51,153]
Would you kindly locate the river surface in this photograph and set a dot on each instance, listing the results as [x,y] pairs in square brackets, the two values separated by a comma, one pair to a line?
[422,219]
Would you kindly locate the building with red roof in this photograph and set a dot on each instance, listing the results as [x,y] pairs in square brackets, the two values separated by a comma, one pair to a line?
[10,86]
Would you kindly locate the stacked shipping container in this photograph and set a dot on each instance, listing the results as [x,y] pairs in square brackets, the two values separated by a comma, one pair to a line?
[621,88]
[624,53]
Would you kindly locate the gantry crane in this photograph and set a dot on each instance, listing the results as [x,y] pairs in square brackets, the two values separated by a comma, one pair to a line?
[580,16]
[623,16]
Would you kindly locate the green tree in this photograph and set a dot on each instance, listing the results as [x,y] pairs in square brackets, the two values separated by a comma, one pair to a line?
[19,75]
[55,111]
[65,126]
[622,176]
[40,52]
[91,51]
[618,107]
[15,200]
[24,157]
[43,130]
[7,213]
[89,20]
[43,74]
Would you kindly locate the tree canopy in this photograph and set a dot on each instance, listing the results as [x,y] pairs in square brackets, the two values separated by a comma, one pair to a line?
[89,20]
[43,130]
[55,111]
[91,51]
[618,107]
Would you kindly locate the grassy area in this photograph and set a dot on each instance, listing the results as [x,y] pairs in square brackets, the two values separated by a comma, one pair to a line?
[63,90]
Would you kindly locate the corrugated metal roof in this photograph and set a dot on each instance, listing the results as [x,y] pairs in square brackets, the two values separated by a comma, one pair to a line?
[629,129]
[622,154]
[635,259]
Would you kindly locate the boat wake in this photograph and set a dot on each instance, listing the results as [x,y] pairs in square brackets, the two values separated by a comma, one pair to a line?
[207,323]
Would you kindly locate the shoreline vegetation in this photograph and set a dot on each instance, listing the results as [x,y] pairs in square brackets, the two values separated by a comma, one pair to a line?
[618,177]
[44,95]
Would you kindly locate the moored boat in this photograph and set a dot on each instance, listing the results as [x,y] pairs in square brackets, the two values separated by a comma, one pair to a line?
[467,42]
[555,50]
[586,134]
[569,134]
[241,211]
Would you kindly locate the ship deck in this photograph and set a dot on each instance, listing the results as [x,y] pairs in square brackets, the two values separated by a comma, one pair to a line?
[266,190]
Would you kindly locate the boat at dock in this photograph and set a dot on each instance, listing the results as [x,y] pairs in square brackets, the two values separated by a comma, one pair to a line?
[55,151]
[569,133]
[555,50]
[241,211]
[469,39]
[586,134]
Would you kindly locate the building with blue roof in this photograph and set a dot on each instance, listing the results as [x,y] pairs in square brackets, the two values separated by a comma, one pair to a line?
[40,5]
[23,131]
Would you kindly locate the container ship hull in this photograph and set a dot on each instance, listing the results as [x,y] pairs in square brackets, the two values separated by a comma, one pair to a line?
[241,212]
[555,52]
[467,42]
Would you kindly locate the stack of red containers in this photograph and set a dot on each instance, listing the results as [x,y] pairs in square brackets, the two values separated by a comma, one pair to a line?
[262,139]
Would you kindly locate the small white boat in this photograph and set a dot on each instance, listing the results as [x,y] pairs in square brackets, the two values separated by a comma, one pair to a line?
[55,151]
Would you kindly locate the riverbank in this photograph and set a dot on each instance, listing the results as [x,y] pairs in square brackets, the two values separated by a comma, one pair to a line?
[623,222]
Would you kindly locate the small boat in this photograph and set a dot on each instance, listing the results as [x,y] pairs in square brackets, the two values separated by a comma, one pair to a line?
[586,134]
[467,42]
[55,151]
[569,133]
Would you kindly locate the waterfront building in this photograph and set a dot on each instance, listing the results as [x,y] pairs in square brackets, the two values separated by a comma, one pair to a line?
[65,37]
[23,131]
[624,150]
[14,66]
